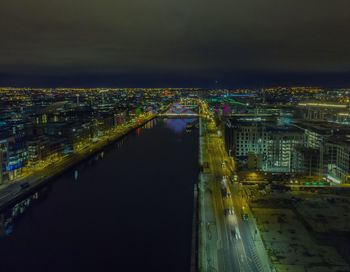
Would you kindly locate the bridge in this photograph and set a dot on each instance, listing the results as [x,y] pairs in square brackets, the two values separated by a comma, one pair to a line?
[183,108]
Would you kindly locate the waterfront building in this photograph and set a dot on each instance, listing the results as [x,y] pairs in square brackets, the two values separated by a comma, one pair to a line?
[43,149]
[3,156]
[1,167]
[17,156]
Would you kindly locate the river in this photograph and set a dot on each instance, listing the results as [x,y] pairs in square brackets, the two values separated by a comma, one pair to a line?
[129,208]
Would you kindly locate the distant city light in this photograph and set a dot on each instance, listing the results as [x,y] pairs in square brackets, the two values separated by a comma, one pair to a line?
[322,105]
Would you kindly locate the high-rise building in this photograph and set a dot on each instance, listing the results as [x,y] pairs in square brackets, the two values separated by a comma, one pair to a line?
[281,141]
[272,144]
[243,137]
[3,158]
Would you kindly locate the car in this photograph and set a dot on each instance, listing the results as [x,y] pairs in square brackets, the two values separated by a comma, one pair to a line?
[24,185]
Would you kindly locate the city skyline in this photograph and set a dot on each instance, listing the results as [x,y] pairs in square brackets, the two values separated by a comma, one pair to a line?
[189,179]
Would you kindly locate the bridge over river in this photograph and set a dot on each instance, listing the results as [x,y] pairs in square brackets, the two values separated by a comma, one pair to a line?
[183,108]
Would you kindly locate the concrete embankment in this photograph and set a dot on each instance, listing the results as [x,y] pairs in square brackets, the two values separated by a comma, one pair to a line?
[195,258]
[201,254]
[41,178]
[194,254]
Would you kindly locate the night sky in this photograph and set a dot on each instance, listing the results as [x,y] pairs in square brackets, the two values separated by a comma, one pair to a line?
[179,43]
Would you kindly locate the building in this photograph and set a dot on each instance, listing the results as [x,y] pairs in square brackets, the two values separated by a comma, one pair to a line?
[320,112]
[243,137]
[315,136]
[320,136]
[253,161]
[43,150]
[74,134]
[342,118]
[1,167]
[4,135]
[306,161]
[272,145]
[3,159]
[17,156]
[337,159]
[281,141]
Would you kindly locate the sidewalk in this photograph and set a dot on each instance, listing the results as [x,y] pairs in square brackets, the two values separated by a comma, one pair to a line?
[258,242]
[208,234]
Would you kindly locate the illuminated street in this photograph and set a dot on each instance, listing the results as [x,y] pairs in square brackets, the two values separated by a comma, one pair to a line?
[227,242]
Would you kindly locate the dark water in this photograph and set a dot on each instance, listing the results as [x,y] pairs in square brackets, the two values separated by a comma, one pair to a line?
[127,209]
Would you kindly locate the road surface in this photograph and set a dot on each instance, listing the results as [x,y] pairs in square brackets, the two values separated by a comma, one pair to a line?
[227,242]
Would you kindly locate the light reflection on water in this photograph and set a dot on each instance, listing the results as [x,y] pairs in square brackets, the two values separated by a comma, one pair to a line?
[178,126]
[9,217]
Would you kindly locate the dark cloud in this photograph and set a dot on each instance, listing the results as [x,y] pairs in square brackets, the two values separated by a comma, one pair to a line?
[174,41]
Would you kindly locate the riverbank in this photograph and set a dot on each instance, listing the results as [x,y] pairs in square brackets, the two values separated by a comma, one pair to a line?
[206,260]
[194,254]
[13,192]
